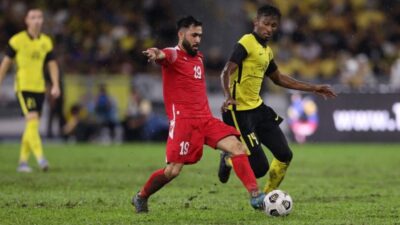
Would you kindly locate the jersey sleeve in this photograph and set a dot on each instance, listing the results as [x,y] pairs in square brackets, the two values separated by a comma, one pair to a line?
[272,67]
[50,54]
[12,47]
[170,56]
[245,41]
[239,54]
[10,52]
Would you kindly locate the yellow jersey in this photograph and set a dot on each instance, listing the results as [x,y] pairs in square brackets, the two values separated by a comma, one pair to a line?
[254,61]
[30,55]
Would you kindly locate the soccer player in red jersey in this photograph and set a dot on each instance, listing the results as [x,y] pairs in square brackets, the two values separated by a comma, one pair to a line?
[191,122]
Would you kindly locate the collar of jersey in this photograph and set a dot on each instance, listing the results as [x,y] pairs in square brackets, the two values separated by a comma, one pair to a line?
[30,36]
[262,42]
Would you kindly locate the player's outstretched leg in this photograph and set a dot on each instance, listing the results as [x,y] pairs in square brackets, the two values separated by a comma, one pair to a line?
[156,181]
[241,166]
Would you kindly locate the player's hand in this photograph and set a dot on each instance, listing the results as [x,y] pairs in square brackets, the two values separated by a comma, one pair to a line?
[153,54]
[229,101]
[55,91]
[325,91]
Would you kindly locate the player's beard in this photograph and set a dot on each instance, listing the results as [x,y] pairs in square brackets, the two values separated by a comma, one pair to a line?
[186,45]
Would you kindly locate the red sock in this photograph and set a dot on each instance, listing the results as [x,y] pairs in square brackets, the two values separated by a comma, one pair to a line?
[242,168]
[156,181]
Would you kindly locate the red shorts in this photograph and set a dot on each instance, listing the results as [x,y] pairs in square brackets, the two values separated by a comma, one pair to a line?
[187,137]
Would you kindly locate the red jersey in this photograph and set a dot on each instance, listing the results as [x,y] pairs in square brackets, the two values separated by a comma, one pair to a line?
[184,85]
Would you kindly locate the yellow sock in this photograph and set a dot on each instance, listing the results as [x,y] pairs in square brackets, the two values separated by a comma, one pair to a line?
[35,143]
[277,172]
[25,150]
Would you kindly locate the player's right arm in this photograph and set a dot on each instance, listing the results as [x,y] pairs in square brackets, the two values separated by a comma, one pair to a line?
[154,54]
[5,65]
[229,69]
[237,57]
[161,56]
[7,60]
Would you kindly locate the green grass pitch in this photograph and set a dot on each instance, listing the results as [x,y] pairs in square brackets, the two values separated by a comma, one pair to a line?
[91,184]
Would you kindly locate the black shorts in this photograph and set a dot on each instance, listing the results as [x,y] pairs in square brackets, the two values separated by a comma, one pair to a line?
[30,101]
[260,126]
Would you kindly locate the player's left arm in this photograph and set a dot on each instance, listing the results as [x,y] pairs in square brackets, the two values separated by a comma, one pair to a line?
[51,62]
[55,78]
[286,81]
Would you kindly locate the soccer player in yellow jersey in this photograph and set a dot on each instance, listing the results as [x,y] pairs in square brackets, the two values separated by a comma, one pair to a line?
[31,50]
[242,78]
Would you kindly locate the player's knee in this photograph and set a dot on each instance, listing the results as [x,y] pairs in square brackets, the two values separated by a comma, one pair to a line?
[289,156]
[171,174]
[261,169]
[286,156]
[261,173]
[172,171]
[238,148]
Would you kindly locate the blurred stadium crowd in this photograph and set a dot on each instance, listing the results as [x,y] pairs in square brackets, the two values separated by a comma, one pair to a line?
[96,36]
[354,43]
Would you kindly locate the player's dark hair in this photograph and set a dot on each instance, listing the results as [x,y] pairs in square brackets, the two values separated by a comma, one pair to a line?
[186,22]
[269,10]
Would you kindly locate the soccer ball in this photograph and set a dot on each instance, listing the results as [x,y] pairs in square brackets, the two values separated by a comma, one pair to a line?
[278,203]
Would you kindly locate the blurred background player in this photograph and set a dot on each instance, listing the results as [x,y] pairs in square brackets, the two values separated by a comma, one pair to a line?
[191,122]
[140,122]
[242,79]
[106,110]
[31,49]
[136,116]
[80,125]
[56,107]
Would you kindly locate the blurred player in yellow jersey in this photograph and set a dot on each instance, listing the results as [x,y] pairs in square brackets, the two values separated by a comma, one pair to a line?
[31,50]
